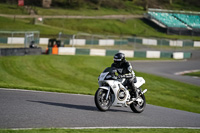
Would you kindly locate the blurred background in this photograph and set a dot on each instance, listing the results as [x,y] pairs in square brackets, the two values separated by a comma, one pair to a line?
[164,25]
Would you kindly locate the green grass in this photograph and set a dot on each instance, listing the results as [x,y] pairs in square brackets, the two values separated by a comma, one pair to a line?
[12,9]
[12,24]
[52,73]
[135,27]
[197,74]
[78,74]
[86,11]
[181,130]
[52,27]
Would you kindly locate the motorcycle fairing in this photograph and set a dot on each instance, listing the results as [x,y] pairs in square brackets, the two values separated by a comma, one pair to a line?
[140,82]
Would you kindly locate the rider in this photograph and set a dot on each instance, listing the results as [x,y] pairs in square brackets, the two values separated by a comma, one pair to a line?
[124,69]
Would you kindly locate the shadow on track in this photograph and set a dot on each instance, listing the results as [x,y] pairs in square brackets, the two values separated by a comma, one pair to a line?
[73,106]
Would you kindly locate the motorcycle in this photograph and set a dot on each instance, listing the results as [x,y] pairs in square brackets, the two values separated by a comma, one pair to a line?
[113,92]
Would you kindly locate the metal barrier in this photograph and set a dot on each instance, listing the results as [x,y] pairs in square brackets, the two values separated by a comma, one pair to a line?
[20,51]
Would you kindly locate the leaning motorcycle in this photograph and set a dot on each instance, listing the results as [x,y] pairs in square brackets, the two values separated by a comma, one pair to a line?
[113,92]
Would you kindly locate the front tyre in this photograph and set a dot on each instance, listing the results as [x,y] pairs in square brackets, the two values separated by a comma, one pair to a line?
[100,100]
[139,105]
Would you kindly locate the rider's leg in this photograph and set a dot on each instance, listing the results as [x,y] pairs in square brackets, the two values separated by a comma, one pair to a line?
[133,87]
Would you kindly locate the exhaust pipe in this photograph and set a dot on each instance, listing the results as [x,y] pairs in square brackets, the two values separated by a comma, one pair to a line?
[135,99]
[144,91]
[128,103]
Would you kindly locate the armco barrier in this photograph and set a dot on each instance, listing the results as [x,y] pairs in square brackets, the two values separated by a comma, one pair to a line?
[141,54]
[128,53]
[144,41]
[178,55]
[149,41]
[98,52]
[110,42]
[106,42]
[111,52]
[153,54]
[196,43]
[16,40]
[181,55]
[20,51]
[4,40]
[91,42]
[66,51]
[82,51]
[77,42]
[165,42]
[166,55]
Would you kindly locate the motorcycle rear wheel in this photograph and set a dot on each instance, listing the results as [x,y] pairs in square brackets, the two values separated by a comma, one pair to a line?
[100,100]
[138,108]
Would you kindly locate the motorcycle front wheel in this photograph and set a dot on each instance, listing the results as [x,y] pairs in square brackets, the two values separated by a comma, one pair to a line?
[100,100]
[138,107]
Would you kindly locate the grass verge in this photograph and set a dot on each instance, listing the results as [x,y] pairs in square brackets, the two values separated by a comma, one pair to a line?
[181,130]
[197,74]
[78,74]
[136,27]
[15,24]
[52,27]
[12,9]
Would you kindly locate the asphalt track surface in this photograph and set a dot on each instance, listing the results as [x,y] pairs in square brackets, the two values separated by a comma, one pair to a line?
[32,109]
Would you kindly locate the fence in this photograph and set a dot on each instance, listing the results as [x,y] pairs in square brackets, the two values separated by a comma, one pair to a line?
[107,42]
[19,37]
[92,39]
[164,42]
[20,51]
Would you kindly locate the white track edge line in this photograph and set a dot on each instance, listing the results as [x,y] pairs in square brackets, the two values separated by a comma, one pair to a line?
[37,91]
[186,71]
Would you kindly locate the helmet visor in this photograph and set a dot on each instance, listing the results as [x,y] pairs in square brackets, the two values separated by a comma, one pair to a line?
[117,60]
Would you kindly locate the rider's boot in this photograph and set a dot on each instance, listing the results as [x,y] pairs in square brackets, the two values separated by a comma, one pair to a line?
[134,93]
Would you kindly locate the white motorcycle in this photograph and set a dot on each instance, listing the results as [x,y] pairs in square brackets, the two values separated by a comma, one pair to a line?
[112,92]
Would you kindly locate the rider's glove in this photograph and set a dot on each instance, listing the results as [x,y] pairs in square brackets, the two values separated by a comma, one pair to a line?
[121,76]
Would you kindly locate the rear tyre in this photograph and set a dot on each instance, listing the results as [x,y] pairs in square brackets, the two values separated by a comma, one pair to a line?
[100,100]
[138,107]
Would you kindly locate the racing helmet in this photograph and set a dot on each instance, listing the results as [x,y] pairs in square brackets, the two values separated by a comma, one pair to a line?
[119,58]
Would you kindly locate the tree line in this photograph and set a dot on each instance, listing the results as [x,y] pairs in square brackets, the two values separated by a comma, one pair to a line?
[115,4]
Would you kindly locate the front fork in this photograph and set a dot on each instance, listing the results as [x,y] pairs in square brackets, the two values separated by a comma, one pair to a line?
[107,95]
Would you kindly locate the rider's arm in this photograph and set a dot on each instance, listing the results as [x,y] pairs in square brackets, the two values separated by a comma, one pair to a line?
[130,75]
[129,72]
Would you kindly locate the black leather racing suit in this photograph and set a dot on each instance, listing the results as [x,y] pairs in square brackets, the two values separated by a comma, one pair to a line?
[125,70]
